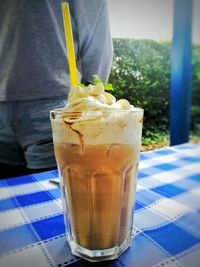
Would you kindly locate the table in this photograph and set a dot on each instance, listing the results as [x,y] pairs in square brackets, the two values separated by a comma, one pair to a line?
[166,223]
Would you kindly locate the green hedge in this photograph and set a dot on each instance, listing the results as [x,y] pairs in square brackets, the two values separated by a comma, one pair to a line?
[141,74]
[195,122]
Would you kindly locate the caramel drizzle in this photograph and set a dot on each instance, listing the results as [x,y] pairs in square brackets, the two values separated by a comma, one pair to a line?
[68,125]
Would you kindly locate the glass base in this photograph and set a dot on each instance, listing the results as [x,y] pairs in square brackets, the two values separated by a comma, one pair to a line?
[99,255]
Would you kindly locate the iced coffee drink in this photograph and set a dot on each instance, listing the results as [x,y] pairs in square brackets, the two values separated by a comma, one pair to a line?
[97,143]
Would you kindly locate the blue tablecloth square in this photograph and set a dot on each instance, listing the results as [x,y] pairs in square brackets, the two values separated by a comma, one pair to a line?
[148,171]
[147,197]
[148,155]
[50,227]
[166,166]
[195,177]
[17,237]
[187,146]
[168,190]
[7,204]
[172,238]
[138,206]
[55,193]
[3,183]
[27,179]
[141,175]
[46,175]
[34,198]
[165,152]
[191,159]
[143,156]
[55,172]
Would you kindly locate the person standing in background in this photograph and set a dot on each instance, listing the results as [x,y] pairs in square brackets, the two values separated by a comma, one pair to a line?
[34,73]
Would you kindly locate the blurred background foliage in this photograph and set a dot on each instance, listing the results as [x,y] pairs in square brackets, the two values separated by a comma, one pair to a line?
[141,74]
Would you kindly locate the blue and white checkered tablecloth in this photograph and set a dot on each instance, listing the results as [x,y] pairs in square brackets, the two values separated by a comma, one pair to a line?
[166,222]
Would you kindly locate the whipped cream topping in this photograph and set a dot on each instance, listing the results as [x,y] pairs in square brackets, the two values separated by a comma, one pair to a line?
[93,116]
[93,97]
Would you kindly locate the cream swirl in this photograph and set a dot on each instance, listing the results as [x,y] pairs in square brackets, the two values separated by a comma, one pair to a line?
[93,98]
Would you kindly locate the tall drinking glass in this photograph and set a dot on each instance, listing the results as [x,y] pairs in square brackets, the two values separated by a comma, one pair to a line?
[97,170]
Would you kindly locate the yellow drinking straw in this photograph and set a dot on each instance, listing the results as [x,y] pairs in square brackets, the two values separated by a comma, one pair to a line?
[69,43]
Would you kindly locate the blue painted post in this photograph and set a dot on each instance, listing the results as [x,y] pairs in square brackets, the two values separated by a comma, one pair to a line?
[181,72]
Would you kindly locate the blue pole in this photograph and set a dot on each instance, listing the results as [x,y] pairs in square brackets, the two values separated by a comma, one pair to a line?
[181,72]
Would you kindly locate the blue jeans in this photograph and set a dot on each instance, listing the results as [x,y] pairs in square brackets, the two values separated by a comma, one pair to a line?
[25,133]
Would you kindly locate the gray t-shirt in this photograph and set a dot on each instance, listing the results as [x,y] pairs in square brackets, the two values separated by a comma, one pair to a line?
[33,58]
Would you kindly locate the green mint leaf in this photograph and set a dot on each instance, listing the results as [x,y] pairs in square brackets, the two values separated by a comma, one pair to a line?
[96,79]
[108,87]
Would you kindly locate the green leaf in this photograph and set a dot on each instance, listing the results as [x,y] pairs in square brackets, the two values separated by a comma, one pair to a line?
[96,79]
[108,87]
